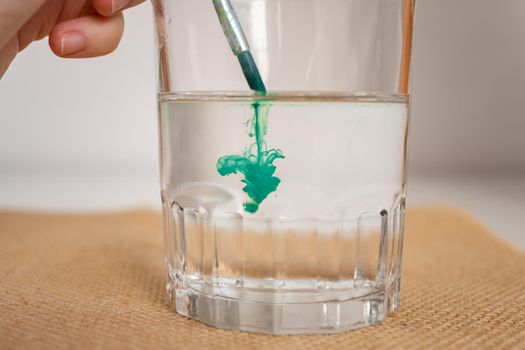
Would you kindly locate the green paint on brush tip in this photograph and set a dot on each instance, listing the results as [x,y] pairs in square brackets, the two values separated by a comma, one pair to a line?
[255,163]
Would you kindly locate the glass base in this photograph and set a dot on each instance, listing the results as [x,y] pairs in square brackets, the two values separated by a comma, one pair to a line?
[279,318]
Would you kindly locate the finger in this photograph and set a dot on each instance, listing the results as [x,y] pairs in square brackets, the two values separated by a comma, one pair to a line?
[8,54]
[87,36]
[13,15]
[45,19]
[111,7]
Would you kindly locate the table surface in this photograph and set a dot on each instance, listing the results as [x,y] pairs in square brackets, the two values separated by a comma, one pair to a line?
[97,282]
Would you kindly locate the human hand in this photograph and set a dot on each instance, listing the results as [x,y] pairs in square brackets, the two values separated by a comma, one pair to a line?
[76,28]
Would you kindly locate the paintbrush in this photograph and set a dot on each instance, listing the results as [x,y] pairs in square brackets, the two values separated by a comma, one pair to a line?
[238,43]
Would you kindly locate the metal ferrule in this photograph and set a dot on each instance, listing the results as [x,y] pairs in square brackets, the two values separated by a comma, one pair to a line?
[231,26]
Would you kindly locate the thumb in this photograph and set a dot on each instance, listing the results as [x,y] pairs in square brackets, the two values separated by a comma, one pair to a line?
[13,15]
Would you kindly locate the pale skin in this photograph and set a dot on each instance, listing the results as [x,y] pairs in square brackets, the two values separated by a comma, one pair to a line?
[76,28]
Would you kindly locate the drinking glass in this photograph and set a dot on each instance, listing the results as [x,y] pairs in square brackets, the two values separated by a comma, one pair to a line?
[284,207]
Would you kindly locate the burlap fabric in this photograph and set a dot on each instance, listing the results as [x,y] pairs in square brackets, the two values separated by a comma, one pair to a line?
[96,282]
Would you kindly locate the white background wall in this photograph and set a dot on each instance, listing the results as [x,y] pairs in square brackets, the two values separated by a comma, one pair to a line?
[469,84]
[81,134]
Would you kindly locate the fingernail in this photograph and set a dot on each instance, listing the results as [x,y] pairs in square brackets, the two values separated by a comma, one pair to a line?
[72,42]
[117,5]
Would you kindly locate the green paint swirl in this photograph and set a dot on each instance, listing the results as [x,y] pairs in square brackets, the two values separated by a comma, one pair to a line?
[255,163]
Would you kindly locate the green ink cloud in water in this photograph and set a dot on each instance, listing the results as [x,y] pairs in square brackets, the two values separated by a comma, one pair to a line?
[257,167]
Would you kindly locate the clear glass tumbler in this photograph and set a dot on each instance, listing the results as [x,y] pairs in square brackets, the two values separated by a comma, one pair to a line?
[284,206]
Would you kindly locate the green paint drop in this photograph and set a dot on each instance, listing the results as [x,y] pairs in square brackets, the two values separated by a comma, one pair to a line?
[255,163]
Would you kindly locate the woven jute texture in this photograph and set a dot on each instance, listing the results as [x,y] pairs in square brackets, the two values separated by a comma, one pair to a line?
[97,282]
